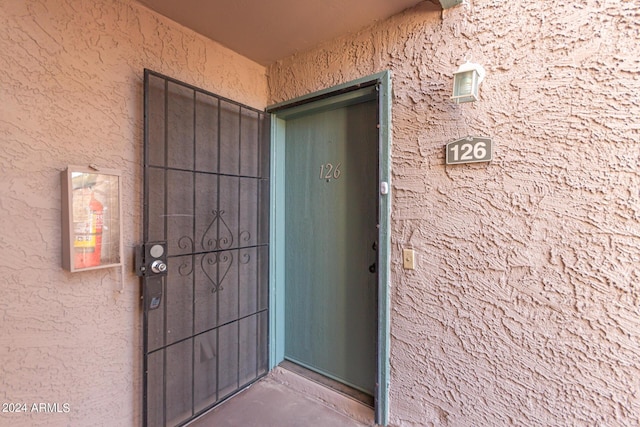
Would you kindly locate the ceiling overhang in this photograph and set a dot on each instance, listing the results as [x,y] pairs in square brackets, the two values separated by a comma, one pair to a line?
[266,31]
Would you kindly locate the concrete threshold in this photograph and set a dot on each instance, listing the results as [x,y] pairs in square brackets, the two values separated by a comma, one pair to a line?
[285,399]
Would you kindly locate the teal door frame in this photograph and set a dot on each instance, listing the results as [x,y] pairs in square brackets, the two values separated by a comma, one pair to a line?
[341,95]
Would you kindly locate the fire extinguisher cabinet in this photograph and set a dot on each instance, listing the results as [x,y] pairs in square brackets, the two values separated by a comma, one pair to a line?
[91,218]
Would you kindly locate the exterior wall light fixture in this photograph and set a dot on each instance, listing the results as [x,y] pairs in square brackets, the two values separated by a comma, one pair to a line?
[466,82]
[446,4]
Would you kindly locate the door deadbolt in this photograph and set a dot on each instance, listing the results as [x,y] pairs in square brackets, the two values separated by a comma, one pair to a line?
[158,266]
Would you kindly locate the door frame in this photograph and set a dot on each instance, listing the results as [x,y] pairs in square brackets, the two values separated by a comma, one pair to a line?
[341,95]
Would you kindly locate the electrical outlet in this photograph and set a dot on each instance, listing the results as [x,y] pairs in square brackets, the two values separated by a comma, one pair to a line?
[408,259]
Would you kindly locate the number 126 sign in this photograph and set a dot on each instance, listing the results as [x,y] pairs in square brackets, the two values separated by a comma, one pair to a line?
[469,150]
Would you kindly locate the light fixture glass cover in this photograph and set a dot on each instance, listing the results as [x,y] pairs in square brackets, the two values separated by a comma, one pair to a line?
[466,82]
[446,4]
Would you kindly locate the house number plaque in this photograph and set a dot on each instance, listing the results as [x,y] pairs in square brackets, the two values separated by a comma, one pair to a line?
[328,171]
[469,150]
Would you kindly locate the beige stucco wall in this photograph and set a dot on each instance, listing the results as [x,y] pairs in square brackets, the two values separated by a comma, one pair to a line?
[71,93]
[524,306]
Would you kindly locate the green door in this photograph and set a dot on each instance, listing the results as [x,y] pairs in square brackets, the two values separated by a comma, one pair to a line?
[331,218]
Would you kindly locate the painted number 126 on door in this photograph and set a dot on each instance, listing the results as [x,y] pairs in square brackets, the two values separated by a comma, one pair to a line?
[330,171]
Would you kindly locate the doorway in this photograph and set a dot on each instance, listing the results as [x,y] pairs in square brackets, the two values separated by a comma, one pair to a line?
[329,225]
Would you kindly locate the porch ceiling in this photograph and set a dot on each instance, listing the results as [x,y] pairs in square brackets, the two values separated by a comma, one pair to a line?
[266,31]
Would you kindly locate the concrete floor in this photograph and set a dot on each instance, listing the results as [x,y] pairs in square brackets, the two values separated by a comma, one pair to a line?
[286,399]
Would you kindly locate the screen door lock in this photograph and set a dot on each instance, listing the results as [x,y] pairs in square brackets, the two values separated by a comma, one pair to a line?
[151,259]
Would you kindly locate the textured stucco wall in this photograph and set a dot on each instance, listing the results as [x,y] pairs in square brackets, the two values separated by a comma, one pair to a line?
[71,93]
[524,307]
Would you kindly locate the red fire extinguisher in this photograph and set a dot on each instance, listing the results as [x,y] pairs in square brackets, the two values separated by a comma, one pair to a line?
[88,237]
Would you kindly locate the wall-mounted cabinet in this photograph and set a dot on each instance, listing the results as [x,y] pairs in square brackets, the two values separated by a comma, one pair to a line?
[91,218]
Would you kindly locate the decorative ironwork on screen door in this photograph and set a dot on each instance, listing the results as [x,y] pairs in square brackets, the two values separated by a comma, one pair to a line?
[204,261]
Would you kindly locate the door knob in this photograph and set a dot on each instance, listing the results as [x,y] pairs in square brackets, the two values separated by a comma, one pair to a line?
[158,266]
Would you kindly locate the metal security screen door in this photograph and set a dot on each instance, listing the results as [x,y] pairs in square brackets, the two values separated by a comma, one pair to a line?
[206,205]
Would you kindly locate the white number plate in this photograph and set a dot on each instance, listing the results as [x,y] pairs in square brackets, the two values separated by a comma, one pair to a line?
[469,150]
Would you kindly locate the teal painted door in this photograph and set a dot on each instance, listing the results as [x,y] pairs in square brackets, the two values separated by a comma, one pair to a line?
[331,232]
